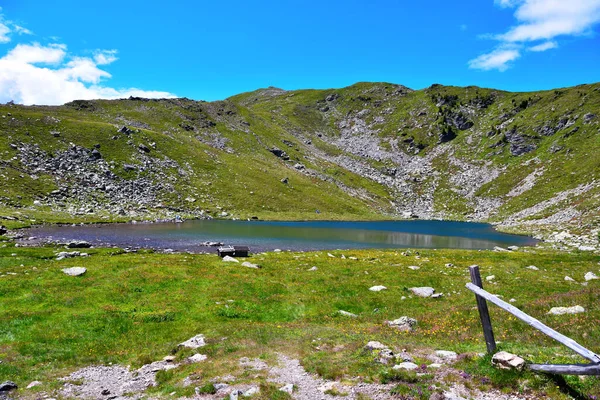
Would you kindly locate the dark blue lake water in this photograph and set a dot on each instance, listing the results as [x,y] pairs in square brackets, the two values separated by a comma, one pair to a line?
[310,235]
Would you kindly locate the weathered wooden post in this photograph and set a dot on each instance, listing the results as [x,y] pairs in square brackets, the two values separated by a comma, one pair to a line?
[484,314]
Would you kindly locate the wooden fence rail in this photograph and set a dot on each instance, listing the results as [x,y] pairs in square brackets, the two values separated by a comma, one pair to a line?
[481,296]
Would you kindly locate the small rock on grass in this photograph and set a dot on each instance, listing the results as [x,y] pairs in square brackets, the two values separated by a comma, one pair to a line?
[313,269]
[414,267]
[566,310]
[194,343]
[74,271]
[424,291]
[250,265]
[377,288]
[196,358]
[34,384]
[373,345]
[230,259]
[533,267]
[569,279]
[347,314]
[505,360]
[407,365]
[404,323]
[251,392]
[590,276]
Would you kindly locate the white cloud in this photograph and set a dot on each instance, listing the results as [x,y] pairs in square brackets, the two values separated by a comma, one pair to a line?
[498,59]
[22,31]
[36,74]
[4,31]
[545,20]
[543,46]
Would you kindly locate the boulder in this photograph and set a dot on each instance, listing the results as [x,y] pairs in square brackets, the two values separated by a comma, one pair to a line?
[404,323]
[505,360]
[230,259]
[566,310]
[385,356]
[378,288]
[3,230]
[74,271]
[194,343]
[424,291]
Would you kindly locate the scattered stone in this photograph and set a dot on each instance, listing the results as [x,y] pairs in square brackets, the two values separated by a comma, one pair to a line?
[196,358]
[194,343]
[299,166]
[285,181]
[347,314]
[34,384]
[235,394]
[569,279]
[449,265]
[566,310]
[435,365]
[513,248]
[74,271]
[590,276]
[446,355]
[505,360]
[490,278]
[219,386]
[512,300]
[169,358]
[424,291]
[404,324]
[385,356]
[230,259]
[414,267]
[330,255]
[65,254]
[500,249]
[373,345]
[437,295]
[250,265]
[404,356]
[407,365]
[533,267]
[289,388]
[8,386]
[313,269]
[3,230]
[378,288]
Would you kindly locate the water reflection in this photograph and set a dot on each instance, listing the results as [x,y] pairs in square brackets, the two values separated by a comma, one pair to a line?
[317,235]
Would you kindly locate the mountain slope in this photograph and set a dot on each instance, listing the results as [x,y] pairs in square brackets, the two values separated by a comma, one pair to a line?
[366,151]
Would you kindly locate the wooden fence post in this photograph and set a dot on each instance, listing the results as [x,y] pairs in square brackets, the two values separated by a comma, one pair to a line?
[484,314]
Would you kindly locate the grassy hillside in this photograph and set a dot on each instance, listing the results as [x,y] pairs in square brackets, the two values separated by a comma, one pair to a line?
[370,150]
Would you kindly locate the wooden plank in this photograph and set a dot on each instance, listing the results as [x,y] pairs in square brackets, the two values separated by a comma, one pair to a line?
[484,315]
[566,369]
[570,343]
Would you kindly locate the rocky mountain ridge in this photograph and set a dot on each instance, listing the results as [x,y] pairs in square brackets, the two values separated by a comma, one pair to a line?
[525,160]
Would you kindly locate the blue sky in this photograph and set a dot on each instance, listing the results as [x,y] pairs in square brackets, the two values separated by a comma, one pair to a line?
[54,51]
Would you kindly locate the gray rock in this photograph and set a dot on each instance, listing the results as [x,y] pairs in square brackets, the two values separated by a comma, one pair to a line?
[407,365]
[566,310]
[378,288]
[299,166]
[505,360]
[404,323]
[251,392]
[289,388]
[250,265]
[144,148]
[230,259]
[590,276]
[446,355]
[424,291]
[285,181]
[385,356]
[3,230]
[74,271]
[533,268]
[569,279]
[374,345]
[347,314]
[196,358]
[235,394]
[7,386]
[194,343]
[34,384]
[79,244]
[513,248]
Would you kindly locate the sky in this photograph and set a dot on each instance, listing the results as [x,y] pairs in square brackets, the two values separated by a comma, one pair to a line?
[52,52]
